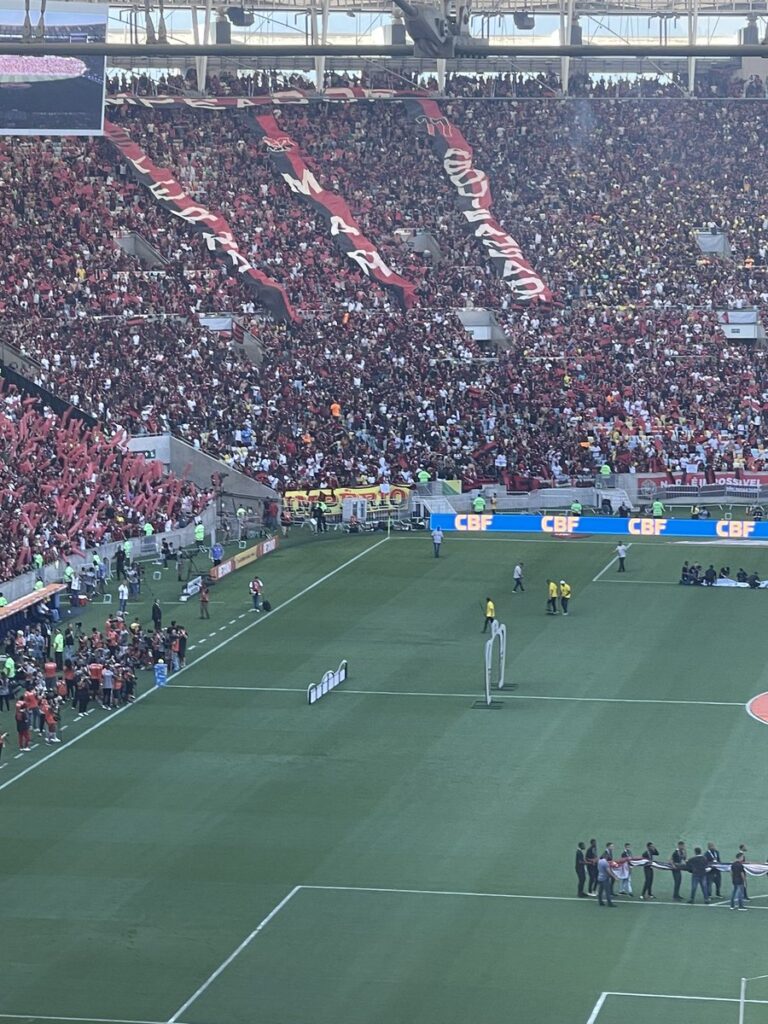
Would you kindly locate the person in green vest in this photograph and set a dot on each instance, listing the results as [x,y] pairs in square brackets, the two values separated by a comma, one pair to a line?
[96,561]
[58,649]
[69,572]
[605,469]
[199,534]
[37,561]
[657,509]
[576,507]
[423,476]
[128,548]
[148,529]
[9,668]
[38,584]
[3,600]
[478,505]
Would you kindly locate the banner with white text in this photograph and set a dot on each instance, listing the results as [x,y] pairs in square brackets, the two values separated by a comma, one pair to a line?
[289,162]
[212,226]
[473,190]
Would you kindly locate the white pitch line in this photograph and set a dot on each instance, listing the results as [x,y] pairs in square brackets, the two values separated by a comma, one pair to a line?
[202,657]
[78,1020]
[693,999]
[233,956]
[597,1008]
[655,583]
[504,896]
[613,561]
[468,696]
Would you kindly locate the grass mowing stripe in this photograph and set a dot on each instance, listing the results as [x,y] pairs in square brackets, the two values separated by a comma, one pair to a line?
[202,657]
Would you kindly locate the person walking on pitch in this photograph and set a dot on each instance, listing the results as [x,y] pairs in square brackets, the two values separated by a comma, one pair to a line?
[621,554]
[490,614]
[551,597]
[565,596]
[517,576]
[437,540]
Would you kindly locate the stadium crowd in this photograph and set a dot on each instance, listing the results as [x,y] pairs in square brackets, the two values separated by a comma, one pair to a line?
[65,486]
[628,368]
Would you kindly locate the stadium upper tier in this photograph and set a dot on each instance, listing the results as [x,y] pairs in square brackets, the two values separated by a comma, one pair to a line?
[627,364]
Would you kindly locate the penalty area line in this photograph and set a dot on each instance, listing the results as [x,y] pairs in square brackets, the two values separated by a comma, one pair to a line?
[470,696]
[206,654]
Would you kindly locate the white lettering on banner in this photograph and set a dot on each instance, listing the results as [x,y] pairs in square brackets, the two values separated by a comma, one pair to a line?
[477,214]
[306,185]
[369,260]
[329,682]
[340,226]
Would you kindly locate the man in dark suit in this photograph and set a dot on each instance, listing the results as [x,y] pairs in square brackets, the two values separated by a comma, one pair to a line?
[678,858]
[697,865]
[649,853]
[591,860]
[581,870]
[713,875]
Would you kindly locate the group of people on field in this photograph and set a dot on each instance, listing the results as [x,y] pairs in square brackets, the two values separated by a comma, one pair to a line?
[602,872]
[45,670]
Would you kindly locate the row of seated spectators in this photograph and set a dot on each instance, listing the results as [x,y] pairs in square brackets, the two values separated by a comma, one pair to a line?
[65,485]
[502,84]
[629,369]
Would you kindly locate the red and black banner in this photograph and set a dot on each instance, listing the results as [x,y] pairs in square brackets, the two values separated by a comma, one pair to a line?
[475,202]
[215,230]
[333,94]
[288,161]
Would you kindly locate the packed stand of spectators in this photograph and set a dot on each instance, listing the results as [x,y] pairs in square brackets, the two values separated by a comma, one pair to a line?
[629,368]
[65,486]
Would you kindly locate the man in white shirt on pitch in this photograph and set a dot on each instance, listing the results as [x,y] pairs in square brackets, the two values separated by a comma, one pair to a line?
[437,540]
[518,577]
[621,554]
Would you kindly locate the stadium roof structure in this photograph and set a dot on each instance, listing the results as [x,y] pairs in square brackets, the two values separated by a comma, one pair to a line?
[620,36]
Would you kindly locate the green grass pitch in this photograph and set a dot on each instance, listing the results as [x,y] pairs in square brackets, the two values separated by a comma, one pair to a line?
[221,853]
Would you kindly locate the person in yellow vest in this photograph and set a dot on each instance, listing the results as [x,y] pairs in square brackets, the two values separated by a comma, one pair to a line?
[565,596]
[490,613]
[199,535]
[494,503]
[551,597]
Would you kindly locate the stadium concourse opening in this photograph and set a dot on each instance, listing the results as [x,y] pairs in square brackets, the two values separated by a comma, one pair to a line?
[276,351]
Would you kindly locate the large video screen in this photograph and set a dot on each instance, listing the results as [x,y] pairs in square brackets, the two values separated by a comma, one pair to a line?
[52,95]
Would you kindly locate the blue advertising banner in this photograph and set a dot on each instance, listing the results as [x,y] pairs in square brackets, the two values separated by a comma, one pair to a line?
[569,525]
